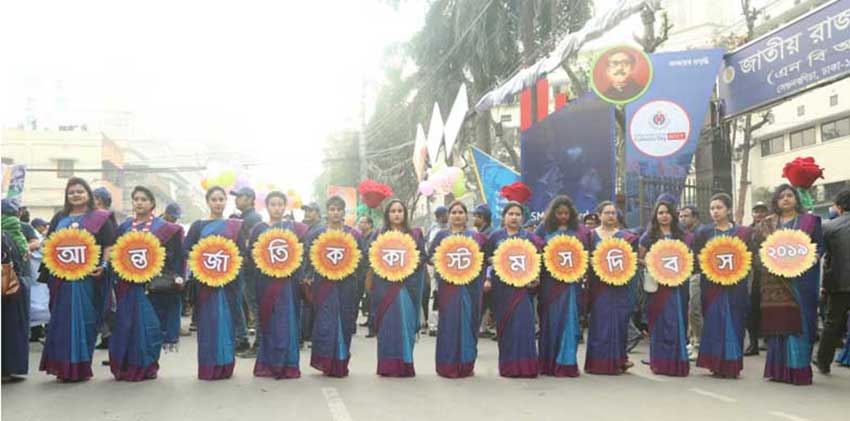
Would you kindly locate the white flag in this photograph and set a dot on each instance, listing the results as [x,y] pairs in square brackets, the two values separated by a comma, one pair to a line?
[435,134]
[455,118]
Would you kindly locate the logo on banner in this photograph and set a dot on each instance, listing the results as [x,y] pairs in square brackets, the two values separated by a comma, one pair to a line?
[458,259]
[335,255]
[516,262]
[71,253]
[614,261]
[278,253]
[215,261]
[725,260]
[393,256]
[137,256]
[788,253]
[670,262]
[565,258]
[660,128]
[621,74]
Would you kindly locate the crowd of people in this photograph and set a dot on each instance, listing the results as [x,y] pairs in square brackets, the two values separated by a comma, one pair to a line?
[538,326]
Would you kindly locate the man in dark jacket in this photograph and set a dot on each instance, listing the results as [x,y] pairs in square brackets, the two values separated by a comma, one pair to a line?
[245,198]
[836,281]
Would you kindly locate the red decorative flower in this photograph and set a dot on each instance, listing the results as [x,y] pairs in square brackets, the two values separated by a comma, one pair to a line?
[518,192]
[372,193]
[802,172]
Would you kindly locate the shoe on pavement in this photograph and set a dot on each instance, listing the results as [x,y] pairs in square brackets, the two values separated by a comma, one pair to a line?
[822,368]
[432,332]
[185,332]
[627,365]
[249,353]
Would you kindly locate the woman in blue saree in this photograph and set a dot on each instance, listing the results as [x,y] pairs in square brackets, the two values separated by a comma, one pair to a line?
[789,305]
[724,308]
[609,306]
[396,305]
[668,306]
[72,330]
[334,303]
[137,335]
[513,307]
[560,302]
[459,306]
[216,342]
[278,302]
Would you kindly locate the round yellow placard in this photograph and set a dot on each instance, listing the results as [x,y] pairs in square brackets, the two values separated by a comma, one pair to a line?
[334,255]
[516,262]
[393,256]
[725,260]
[137,256]
[278,253]
[614,261]
[670,262]
[788,253]
[458,259]
[565,258]
[71,253]
[215,261]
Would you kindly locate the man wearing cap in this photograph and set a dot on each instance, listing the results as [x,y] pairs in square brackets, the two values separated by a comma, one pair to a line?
[754,318]
[483,219]
[172,213]
[313,219]
[312,214]
[104,295]
[246,283]
[441,222]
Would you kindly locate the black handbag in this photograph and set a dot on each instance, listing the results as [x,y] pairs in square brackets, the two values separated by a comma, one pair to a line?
[164,283]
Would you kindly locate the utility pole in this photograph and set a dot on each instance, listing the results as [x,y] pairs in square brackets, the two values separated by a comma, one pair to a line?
[361,134]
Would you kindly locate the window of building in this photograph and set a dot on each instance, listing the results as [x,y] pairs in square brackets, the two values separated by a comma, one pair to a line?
[830,190]
[64,168]
[833,100]
[801,110]
[835,129]
[505,118]
[773,145]
[8,161]
[802,138]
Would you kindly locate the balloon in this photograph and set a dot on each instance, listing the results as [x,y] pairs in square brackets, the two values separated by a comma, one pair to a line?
[205,184]
[426,187]
[241,182]
[227,179]
[459,187]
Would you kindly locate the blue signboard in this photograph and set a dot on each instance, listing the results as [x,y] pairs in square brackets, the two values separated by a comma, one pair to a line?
[805,53]
[663,125]
[570,152]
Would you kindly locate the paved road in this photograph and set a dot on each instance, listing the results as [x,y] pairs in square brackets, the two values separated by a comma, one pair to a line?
[639,395]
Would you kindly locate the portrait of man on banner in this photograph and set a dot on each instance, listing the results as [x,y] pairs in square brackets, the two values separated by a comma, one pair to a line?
[621,74]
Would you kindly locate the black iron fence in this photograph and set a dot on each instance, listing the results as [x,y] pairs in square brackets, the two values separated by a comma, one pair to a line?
[650,188]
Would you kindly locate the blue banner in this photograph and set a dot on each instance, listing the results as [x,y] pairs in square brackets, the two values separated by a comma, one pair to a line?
[492,175]
[663,126]
[571,152]
[809,51]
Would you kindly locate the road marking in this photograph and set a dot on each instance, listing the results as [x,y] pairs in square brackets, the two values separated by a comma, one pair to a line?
[787,416]
[717,396]
[335,404]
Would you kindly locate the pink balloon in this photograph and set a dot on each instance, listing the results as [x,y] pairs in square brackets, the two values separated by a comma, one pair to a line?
[426,187]
[241,182]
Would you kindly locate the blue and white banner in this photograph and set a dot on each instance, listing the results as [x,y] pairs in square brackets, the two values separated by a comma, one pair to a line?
[13,182]
[571,152]
[492,175]
[663,125]
[803,54]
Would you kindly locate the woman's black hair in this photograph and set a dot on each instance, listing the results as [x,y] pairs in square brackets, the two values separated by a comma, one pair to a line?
[774,200]
[550,220]
[457,203]
[77,181]
[655,228]
[278,195]
[510,205]
[212,190]
[146,191]
[724,198]
[405,224]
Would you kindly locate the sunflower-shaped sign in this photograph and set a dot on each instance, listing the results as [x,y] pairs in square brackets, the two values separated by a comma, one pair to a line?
[71,253]
[334,255]
[565,258]
[278,253]
[670,262]
[517,262]
[725,260]
[458,259]
[393,256]
[614,261]
[137,256]
[788,253]
[215,261]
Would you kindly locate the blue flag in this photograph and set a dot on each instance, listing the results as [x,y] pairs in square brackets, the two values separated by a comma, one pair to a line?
[492,175]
